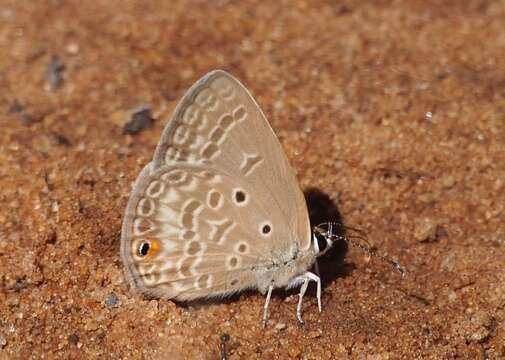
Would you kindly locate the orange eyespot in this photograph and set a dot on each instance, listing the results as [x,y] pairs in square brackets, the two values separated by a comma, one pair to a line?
[148,248]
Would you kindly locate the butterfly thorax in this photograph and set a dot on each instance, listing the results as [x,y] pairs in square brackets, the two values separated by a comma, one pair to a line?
[280,269]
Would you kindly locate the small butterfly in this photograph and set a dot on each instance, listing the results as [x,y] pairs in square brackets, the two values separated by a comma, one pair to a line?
[218,210]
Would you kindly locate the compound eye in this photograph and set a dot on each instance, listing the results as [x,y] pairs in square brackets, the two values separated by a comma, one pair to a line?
[322,243]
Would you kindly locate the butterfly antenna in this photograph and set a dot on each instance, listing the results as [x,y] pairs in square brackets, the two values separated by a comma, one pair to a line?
[337,231]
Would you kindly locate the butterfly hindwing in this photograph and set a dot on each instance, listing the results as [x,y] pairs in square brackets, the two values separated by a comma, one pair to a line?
[197,222]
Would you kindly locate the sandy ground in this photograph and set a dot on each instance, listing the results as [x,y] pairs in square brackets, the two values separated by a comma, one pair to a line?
[391,112]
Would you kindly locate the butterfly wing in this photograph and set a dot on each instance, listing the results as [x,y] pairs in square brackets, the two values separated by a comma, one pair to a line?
[218,200]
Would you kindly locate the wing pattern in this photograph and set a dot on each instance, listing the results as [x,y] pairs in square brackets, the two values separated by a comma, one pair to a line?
[218,201]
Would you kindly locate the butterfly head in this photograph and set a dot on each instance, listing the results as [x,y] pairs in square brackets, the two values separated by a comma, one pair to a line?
[323,238]
[326,234]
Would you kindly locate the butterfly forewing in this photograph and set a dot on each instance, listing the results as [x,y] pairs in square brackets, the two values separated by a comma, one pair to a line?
[218,122]
[218,201]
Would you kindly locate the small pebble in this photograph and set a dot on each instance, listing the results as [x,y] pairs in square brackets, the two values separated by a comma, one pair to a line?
[111,300]
[72,48]
[73,339]
[140,118]
[425,230]
[280,326]
[448,181]
[3,342]
[452,296]
[26,119]
[15,107]
[481,327]
[449,261]
[61,139]
[54,73]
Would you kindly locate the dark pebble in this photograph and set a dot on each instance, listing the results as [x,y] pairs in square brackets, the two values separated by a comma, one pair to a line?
[111,300]
[61,139]
[26,119]
[54,73]
[15,107]
[141,118]
[73,339]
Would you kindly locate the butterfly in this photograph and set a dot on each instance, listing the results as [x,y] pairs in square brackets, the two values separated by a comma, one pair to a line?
[219,210]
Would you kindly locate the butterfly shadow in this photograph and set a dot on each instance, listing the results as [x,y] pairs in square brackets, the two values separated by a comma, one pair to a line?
[323,209]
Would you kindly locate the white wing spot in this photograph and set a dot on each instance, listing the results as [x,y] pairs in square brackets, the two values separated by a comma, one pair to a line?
[145,207]
[207,99]
[233,262]
[197,260]
[215,199]
[167,247]
[203,281]
[155,189]
[175,177]
[217,135]
[187,220]
[194,248]
[171,196]
[149,273]
[183,268]
[166,265]
[220,230]
[191,115]
[172,154]
[181,135]
[145,268]
[190,212]
[189,235]
[242,247]
[224,87]
[176,154]
[225,121]
[192,206]
[209,177]
[209,150]
[239,113]
[180,286]
[143,226]
[249,163]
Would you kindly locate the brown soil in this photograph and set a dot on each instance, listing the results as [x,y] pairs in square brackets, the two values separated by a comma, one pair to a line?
[393,110]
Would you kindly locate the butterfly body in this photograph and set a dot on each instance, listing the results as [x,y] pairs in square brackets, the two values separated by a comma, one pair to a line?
[218,210]
[280,270]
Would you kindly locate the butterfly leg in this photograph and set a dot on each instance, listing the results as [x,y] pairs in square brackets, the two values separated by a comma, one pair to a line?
[317,279]
[265,308]
[306,278]
[316,269]
[303,289]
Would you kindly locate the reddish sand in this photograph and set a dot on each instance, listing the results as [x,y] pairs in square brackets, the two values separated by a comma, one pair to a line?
[393,110]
